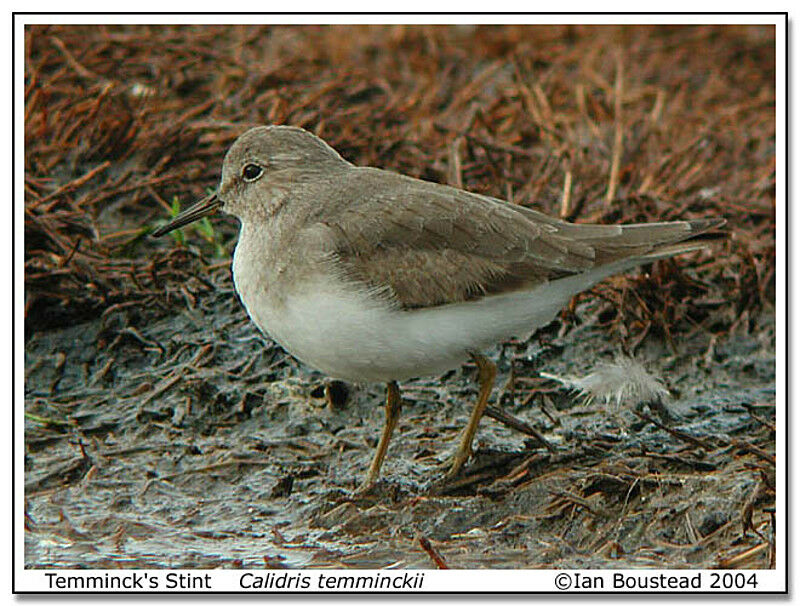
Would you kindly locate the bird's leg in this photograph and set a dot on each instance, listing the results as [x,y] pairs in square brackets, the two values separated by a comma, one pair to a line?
[487,372]
[394,404]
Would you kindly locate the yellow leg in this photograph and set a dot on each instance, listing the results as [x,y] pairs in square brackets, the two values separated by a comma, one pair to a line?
[487,372]
[394,404]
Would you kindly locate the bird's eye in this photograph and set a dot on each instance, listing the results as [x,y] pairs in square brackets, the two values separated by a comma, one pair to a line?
[251,172]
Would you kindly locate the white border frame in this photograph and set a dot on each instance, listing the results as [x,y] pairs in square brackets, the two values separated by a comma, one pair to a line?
[435,580]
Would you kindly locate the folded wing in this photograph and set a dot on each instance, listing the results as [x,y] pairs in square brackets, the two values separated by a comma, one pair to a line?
[422,244]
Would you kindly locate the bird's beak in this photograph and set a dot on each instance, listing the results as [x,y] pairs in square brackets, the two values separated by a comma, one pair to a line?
[206,206]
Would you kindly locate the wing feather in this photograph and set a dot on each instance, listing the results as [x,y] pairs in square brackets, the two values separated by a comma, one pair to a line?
[423,244]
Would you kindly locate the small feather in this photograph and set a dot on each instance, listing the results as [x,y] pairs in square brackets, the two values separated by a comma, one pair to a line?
[625,381]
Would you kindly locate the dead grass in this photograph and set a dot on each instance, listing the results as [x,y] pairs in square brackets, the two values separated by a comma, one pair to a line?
[593,123]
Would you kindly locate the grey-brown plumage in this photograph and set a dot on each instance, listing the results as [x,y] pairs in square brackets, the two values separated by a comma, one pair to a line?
[369,275]
[429,244]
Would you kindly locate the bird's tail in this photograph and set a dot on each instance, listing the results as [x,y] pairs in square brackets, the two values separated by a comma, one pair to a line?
[700,236]
[644,242]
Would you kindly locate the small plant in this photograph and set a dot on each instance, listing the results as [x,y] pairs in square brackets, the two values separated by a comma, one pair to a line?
[177,235]
[204,228]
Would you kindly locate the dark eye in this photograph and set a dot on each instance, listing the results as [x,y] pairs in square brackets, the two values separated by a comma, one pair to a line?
[251,172]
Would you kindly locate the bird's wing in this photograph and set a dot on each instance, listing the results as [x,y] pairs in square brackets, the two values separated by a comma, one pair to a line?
[423,244]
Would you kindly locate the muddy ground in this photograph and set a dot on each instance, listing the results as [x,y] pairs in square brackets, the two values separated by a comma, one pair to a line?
[196,442]
[161,429]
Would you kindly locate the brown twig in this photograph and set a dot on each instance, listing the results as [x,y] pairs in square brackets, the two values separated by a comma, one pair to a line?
[565,197]
[433,553]
[506,418]
[751,448]
[616,156]
[681,435]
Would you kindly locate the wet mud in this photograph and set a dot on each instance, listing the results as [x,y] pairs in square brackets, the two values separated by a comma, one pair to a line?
[197,442]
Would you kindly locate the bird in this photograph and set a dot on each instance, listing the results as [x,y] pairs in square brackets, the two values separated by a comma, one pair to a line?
[369,275]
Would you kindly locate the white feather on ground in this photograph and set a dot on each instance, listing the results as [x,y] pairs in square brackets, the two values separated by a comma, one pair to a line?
[622,382]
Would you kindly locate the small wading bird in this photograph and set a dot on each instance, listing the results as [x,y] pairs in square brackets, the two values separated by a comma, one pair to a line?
[369,275]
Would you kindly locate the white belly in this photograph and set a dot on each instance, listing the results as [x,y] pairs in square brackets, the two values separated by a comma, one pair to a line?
[353,337]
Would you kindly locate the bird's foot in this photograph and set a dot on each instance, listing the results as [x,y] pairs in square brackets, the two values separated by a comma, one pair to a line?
[366,487]
[458,461]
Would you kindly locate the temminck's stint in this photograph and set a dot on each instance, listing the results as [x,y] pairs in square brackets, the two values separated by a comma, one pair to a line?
[369,275]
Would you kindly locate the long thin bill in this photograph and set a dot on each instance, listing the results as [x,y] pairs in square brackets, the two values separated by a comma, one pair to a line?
[204,207]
